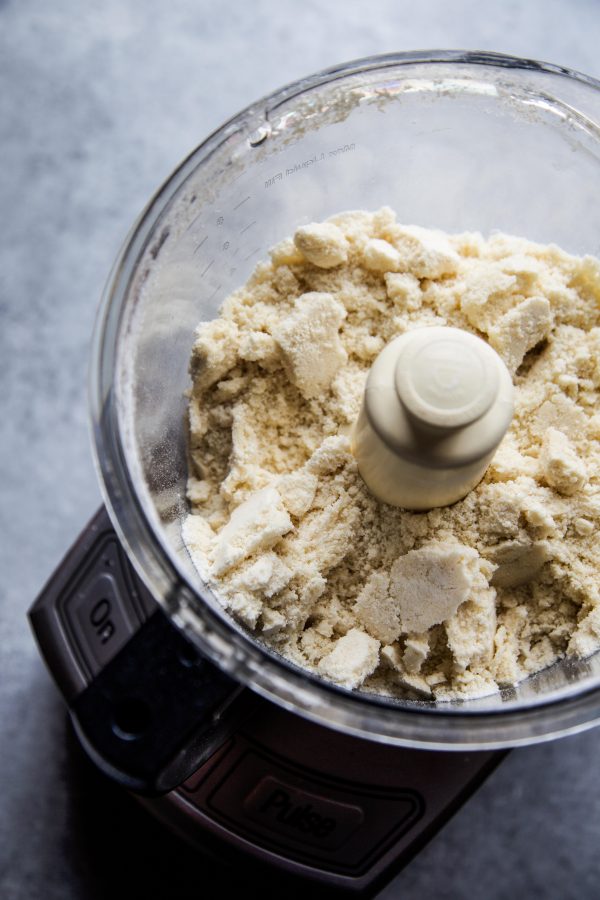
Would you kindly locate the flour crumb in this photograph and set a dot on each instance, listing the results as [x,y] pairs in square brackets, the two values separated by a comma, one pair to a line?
[246,608]
[416,651]
[561,467]
[272,622]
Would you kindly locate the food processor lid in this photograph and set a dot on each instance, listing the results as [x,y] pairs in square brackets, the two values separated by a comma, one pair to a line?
[242,181]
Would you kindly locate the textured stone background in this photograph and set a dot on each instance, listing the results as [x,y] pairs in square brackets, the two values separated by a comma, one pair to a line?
[98,102]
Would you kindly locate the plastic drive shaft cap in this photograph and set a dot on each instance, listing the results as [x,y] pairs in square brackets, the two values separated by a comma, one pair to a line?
[445,377]
[437,403]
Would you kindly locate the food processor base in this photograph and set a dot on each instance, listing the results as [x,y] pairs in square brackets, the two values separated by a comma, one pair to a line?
[329,807]
[278,790]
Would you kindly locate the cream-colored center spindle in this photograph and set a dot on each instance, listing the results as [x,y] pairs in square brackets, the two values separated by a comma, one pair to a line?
[437,403]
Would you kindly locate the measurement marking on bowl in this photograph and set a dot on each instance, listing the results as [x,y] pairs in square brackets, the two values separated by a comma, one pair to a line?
[252,252]
[218,288]
[248,227]
[207,268]
[241,203]
[193,222]
[203,241]
[307,163]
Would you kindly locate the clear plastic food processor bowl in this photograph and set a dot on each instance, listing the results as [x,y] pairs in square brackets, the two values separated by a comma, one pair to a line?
[456,141]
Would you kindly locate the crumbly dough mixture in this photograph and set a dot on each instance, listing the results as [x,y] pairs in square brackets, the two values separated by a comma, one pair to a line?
[446,604]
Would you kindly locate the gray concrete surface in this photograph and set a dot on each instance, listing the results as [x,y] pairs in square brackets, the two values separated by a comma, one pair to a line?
[98,102]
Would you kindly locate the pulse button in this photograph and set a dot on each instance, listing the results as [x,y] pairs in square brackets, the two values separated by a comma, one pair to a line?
[302,816]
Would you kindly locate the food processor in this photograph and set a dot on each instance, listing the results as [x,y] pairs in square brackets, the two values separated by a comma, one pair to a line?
[168,694]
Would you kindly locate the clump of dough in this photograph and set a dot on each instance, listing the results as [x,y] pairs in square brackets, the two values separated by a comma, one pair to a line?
[322,244]
[353,658]
[426,253]
[429,584]
[520,330]
[309,340]
[381,256]
[255,526]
